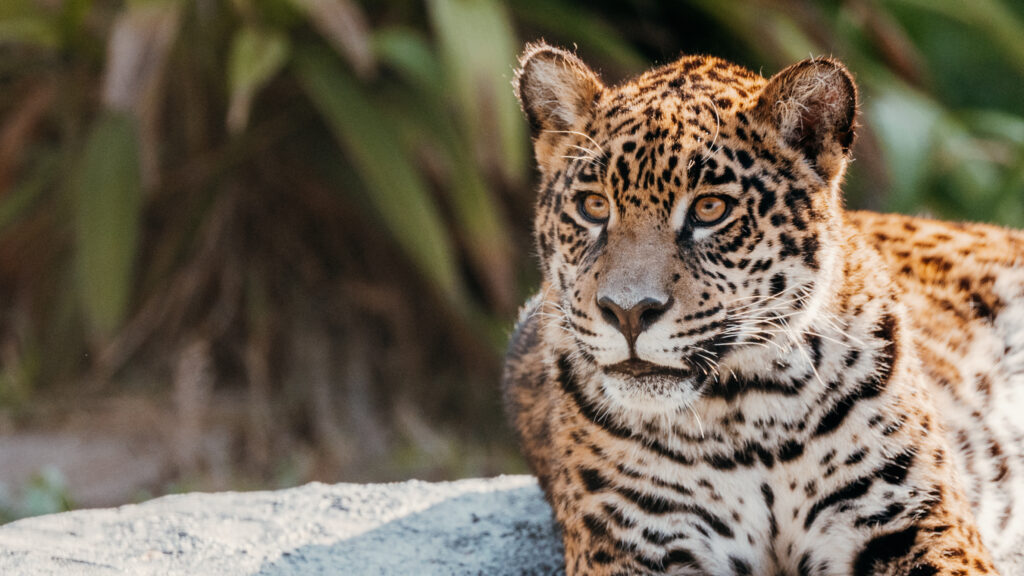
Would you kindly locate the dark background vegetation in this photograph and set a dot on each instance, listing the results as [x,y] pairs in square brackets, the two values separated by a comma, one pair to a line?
[252,243]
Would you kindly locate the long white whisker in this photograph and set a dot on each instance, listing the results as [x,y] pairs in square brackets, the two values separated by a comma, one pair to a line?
[700,425]
[594,142]
[718,128]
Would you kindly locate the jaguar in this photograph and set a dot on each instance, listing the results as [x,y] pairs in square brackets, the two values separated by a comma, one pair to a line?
[726,372]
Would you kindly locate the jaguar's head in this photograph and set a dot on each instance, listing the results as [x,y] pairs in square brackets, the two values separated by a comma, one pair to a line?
[688,221]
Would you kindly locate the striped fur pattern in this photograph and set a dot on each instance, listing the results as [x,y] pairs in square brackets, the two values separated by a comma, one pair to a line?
[817,392]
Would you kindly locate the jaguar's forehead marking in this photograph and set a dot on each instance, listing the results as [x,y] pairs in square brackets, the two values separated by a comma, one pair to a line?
[663,134]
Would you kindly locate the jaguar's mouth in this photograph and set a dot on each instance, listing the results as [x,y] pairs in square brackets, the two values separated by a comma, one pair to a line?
[634,368]
[640,387]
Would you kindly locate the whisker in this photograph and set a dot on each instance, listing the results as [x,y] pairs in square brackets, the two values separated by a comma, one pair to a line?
[594,142]
[700,425]
[718,129]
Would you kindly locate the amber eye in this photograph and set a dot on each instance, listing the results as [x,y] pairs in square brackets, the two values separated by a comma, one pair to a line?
[594,208]
[708,210]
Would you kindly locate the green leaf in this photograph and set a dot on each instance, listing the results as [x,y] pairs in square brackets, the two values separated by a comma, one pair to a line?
[12,9]
[24,22]
[478,52]
[107,200]
[345,27]
[588,30]
[372,142]
[257,55]
[478,219]
[997,123]
[423,112]
[994,19]
[34,31]
[408,52]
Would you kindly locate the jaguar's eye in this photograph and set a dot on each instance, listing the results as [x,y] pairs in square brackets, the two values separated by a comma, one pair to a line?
[708,210]
[594,208]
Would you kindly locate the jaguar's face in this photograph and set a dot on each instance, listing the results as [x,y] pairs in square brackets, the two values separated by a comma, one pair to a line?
[679,233]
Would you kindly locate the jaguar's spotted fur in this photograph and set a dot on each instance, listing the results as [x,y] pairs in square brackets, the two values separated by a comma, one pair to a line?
[792,389]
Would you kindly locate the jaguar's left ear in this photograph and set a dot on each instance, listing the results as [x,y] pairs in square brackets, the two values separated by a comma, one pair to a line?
[813,107]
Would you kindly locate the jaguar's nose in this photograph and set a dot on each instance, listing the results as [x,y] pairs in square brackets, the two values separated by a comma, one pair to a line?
[634,319]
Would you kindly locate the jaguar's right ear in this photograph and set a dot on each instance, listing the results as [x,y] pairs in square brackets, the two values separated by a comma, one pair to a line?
[555,88]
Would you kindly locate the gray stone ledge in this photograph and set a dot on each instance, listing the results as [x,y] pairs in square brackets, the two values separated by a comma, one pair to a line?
[480,526]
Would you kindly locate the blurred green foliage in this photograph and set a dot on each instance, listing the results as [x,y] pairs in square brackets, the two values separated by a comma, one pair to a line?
[243,172]
[45,493]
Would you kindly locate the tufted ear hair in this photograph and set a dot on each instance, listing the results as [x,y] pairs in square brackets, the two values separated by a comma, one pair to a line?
[813,106]
[555,88]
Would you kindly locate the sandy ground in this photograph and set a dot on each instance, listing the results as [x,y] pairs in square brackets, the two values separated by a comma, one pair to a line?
[480,526]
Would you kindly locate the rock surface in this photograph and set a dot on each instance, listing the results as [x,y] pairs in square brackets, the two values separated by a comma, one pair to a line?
[493,526]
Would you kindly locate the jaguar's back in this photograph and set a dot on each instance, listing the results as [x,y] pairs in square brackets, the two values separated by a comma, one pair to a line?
[724,371]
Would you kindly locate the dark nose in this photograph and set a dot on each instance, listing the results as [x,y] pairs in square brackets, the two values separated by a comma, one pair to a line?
[635,319]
